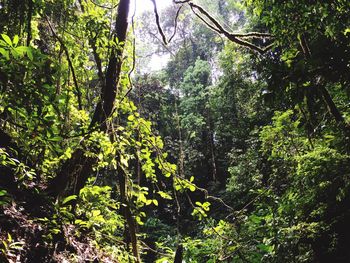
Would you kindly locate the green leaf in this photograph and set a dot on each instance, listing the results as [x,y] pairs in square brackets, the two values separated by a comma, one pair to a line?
[80,222]
[265,248]
[96,213]
[15,40]
[9,237]
[69,198]
[131,117]
[14,53]
[165,195]
[30,54]
[155,202]
[55,139]
[7,39]
[124,161]
[17,245]
[5,53]
[192,188]
[21,50]
[56,231]
[5,244]
[142,198]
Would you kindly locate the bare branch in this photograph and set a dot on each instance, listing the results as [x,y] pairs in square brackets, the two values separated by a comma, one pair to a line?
[234,37]
[161,32]
[155,10]
[175,23]
[205,22]
[181,1]
[253,35]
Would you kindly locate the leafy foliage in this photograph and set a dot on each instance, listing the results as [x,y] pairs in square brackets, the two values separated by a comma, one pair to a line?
[223,155]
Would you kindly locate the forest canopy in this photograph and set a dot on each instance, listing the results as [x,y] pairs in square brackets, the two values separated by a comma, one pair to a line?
[199,131]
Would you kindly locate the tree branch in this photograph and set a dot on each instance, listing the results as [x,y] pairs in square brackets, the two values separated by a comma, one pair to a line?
[161,32]
[234,37]
[175,23]
[109,89]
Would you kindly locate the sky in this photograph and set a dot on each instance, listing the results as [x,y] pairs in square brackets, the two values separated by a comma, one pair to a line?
[146,5]
[157,62]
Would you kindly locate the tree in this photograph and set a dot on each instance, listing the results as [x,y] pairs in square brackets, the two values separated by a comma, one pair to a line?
[262,132]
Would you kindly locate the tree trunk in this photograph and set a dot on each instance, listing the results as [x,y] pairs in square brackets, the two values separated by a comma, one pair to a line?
[332,108]
[75,171]
[126,212]
[178,254]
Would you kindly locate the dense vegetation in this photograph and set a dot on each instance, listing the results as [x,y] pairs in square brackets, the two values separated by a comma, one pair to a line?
[238,150]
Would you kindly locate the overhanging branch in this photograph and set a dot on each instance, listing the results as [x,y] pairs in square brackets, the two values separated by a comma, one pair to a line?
[161,32]
[238,38]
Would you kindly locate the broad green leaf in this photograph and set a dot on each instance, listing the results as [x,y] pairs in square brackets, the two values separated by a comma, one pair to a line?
[142,198]
[5,53]
[7,39]
[95,213]
[192,188]
[21,49]
[131,117]
[15,40]
[30,54]
[14,53]
[55,139]
[165,195]
[69,198]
